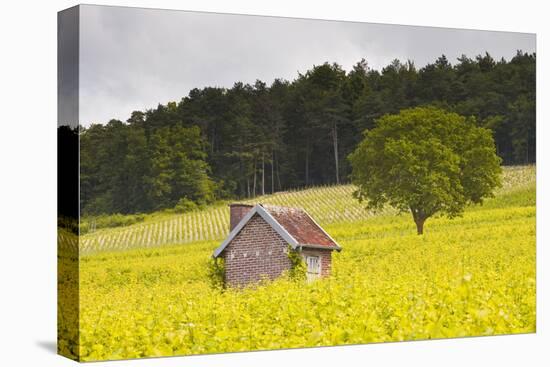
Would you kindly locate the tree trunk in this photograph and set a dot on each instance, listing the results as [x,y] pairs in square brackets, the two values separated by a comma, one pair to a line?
[272,176]
[335,144]
[419,219]
[279,178]
[420,226]
[263,175]
[254,185]
[243,173]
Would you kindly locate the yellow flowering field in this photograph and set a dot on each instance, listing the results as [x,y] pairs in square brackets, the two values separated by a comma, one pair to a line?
[473,275]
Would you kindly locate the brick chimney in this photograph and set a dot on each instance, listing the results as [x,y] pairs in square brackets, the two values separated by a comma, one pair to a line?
[236,213]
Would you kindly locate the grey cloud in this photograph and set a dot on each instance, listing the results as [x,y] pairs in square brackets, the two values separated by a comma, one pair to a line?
[133,59]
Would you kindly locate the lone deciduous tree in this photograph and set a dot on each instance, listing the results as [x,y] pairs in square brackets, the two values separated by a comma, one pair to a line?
[427,161]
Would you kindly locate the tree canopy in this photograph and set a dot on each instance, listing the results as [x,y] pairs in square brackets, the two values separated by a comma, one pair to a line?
[259,138]
[427,161]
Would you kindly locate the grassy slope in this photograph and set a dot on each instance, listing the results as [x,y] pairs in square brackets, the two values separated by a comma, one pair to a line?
[473,275]
[330,204]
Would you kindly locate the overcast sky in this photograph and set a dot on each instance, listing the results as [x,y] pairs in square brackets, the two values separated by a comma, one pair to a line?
[134,59]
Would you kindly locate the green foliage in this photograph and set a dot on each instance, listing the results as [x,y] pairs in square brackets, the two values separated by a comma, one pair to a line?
[473,275]
[124,169]
[298,267]
[216,272]
[255,139]
[427,161]
[179,168]
[185,205]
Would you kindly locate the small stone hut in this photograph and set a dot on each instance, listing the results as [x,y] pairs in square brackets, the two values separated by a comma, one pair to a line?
[261,237]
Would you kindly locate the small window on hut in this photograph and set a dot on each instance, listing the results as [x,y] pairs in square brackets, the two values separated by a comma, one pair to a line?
[313,264]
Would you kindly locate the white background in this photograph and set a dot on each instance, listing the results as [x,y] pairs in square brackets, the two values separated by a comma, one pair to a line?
[28,183]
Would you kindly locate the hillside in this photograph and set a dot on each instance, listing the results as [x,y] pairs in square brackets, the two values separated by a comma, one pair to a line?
[327,205]
[473,275]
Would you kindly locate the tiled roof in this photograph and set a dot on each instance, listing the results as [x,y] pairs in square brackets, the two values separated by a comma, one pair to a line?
[300,226]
